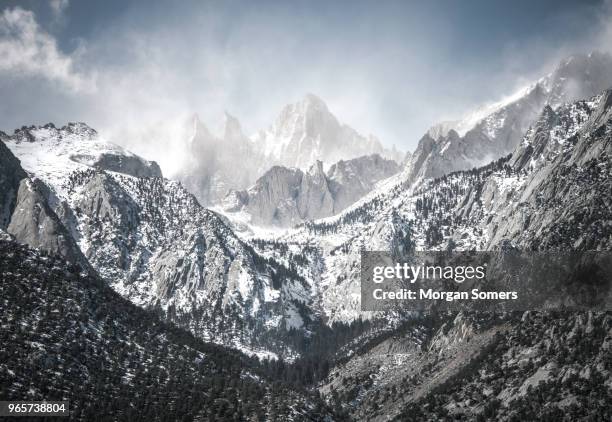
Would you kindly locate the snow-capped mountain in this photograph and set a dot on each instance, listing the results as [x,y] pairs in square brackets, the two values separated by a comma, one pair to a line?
[552,193]
[210,171]
[306,132]
[529,198]
[146,236]
[303,133]
[494,130]
[289,293]
[288,196]
[157,246]
[52,151]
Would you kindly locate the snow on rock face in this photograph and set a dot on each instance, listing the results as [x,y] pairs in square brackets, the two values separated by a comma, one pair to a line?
[494,131]
[289,196]
[34,223]
[49,153]
[303,133]
[158,247]
[149,239]
[307,131]
[552,192]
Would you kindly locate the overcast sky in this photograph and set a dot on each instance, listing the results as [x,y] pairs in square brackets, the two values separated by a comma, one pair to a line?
[135,70]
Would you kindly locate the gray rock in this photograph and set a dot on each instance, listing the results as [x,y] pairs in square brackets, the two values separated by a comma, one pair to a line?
[350,180]
[34,223]
[11,175]
[127,164]
[288,196]
[442,150]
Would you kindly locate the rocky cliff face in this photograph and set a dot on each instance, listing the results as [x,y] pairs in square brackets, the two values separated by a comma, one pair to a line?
[148,238]
[495,130]
[34,223]
[11,175]
[350,180]
[303,133]
[567,151]
[288,196]
[307,131]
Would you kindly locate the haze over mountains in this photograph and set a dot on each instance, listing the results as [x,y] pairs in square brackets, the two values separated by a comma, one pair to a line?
[285,197]
[494,131]
[507,179]
[303,133]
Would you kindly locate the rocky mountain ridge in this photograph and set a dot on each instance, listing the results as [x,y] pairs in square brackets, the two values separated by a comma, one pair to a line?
[288,196]
[56,320]
[552,193]
[494,131]
[153,243]
[302,134]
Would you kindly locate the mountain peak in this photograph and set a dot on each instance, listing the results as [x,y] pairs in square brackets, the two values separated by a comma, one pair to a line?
[199,129]
[35,133]
[231,127]
[311,100]
[75,127]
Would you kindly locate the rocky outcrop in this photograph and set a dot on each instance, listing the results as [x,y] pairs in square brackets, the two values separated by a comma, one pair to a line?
[121,163]
[288,196]
[496,130]
[34,223]
[80,144]
[11,175]
[303,133]
[315,199]
[273,199]
[350,180]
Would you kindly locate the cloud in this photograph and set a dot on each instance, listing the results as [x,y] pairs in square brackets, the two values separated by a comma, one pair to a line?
[140,71]
[26,50]
[58,7]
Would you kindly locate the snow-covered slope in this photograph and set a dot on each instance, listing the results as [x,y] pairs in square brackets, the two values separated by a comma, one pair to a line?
[50,153]
[494,130]
[151,241]
[554,190]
